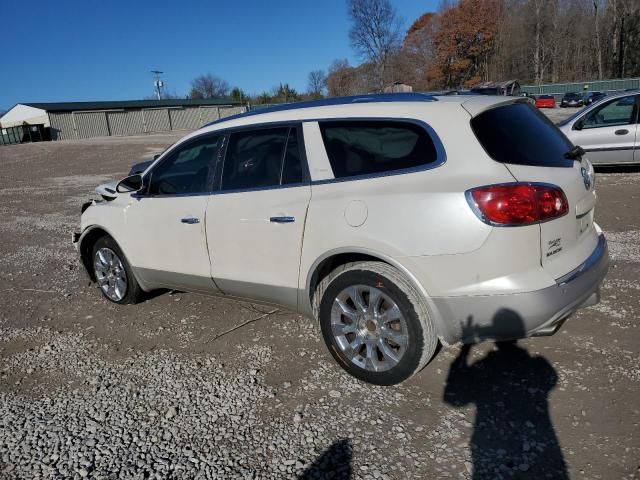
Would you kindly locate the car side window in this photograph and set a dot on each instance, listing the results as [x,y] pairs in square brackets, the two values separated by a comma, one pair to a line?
[187,169]
[617,112]
[369,147]
[262,158]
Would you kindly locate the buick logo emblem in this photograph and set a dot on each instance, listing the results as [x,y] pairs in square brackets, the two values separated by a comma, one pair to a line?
[586,178]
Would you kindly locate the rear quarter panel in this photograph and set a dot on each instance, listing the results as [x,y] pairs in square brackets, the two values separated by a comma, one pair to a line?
[417,214]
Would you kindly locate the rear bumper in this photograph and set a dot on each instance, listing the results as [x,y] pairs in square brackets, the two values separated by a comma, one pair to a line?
[541,312]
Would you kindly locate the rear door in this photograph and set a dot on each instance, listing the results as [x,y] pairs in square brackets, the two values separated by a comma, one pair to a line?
[534,150]
[608,132]
[255,221]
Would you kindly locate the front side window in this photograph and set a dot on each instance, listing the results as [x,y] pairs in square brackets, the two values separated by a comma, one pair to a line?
[375,146]
[617,112]
[262,158]
[188,169]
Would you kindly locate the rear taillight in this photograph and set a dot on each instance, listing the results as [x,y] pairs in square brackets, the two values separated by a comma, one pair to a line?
[517,203]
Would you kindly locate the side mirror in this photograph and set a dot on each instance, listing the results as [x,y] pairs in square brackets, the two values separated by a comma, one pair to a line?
[579,125]
[132,183]
[156,156]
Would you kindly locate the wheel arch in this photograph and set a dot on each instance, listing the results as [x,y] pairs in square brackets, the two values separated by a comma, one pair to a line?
[332,259]
[87,240]
[85,245]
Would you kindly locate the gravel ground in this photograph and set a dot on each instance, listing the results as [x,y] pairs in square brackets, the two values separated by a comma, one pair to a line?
[159,390]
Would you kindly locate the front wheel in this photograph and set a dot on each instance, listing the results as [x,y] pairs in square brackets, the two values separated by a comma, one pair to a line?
[374,322]
[113,273]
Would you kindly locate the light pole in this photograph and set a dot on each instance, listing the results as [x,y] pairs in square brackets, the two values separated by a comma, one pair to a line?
[158,84]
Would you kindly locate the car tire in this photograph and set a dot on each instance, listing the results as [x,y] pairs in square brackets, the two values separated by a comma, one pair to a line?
[113,273]
[388,349]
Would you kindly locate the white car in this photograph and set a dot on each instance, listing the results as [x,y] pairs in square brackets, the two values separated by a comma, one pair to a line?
[396,220]
[608,129]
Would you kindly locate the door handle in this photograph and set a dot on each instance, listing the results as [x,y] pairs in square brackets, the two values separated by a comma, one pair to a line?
[190,220]
[621,131]
[282,219]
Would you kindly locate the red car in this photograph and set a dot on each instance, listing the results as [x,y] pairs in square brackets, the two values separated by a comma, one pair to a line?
[546,101]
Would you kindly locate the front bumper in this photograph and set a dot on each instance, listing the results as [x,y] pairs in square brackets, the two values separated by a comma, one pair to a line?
[512,316]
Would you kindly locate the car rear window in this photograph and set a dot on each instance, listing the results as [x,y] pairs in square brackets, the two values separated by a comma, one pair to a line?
[518,133]
[369,147]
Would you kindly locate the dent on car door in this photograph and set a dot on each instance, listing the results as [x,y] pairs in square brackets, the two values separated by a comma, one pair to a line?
[165,224]
[255,222]
[608,132]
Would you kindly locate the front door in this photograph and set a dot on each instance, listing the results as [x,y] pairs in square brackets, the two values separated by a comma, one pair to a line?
[608,132]
[167,240]
[255,221]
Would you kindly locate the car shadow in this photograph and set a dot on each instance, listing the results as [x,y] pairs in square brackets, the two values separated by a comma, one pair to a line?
[513,436]
[334,463]
[146,296]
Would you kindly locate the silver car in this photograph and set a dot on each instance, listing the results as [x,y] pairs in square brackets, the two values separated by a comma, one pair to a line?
[607,130]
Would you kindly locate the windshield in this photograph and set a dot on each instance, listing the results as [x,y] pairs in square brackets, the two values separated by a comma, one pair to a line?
[571,95]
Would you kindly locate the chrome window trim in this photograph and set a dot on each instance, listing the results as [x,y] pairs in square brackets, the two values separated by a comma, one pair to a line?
[259,189]
[441,154]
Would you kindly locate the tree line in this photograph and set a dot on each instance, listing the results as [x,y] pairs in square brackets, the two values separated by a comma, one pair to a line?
[470,41]
[466,42]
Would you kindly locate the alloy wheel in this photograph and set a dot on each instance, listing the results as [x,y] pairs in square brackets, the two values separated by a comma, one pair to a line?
[369,328]
[110,274]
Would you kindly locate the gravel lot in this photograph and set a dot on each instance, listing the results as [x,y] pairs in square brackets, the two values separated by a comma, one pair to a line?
[92,390]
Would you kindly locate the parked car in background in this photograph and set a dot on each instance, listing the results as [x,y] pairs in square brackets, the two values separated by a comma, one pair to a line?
[572,99]
[592,97]
[607,130]
[545,101]
[397,221]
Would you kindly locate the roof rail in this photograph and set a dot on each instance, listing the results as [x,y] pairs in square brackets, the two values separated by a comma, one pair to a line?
[368,98]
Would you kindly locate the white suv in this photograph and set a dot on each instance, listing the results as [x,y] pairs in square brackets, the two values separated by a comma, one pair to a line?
[396,220]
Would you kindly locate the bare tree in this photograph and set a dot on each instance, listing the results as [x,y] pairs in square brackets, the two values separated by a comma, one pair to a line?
[209,86]
[316,82]
[339,80]
[375,32]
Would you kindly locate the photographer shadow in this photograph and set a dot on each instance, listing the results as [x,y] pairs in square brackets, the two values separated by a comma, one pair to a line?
[334,463]
[513,437]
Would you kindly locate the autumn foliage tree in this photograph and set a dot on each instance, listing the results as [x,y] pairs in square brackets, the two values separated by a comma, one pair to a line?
[459,42]
[469,41]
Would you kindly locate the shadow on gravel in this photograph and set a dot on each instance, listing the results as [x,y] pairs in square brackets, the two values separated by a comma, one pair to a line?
[334,463]
[513,437]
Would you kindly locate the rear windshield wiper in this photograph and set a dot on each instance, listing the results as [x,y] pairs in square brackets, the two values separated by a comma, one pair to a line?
[575,152]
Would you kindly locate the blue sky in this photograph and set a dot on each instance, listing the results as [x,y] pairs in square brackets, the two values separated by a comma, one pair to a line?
[72,50]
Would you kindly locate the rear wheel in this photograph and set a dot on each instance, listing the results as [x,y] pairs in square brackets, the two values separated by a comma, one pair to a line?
[374,322]
[113,273]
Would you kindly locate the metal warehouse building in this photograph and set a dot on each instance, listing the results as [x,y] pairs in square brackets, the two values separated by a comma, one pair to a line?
[74,120]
